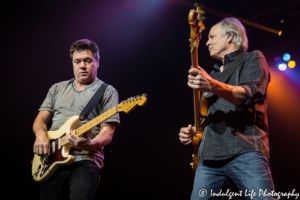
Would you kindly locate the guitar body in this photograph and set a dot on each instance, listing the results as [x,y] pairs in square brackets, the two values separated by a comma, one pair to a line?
[43,168]
[199,134]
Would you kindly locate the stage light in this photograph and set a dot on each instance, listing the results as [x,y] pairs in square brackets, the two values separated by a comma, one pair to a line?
[282,66]
[277,58]
[291,64]
[286,57]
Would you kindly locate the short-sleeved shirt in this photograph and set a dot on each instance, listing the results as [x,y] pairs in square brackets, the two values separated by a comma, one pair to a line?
[65,101]
[232,129]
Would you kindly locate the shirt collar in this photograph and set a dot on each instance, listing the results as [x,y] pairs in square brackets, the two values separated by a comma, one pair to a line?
[234,54]
[228,58]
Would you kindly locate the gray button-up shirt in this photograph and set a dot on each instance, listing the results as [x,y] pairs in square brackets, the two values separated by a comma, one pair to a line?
[236,129]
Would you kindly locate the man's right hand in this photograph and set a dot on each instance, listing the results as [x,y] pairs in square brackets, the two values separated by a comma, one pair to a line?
[41,145]
[186,134]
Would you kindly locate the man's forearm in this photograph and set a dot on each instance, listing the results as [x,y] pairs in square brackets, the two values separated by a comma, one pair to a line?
[102,139]
[233,94]
[39,127]
[40,123]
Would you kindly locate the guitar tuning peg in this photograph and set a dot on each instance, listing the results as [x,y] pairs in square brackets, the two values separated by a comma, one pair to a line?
[201,12]
[144,94]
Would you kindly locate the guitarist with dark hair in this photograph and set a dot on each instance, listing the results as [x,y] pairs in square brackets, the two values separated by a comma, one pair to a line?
[64,100]
[235,145]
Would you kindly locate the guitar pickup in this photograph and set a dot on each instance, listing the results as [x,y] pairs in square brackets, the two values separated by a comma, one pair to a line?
[59,142]
[53,147]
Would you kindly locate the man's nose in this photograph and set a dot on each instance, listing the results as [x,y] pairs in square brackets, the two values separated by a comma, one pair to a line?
[82,64]
[207,43]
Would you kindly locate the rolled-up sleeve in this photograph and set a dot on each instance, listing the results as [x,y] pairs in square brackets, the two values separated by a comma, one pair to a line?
[254,78]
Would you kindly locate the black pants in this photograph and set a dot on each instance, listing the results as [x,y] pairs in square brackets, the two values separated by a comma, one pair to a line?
[77,181]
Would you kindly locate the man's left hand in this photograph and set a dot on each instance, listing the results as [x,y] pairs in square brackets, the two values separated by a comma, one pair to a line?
[83,143]
[198,79]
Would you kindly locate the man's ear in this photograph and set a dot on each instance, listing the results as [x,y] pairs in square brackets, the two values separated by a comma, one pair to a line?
[230,36]
[97,63]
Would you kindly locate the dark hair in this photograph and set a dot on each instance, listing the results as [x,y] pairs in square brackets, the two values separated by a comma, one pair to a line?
[84,44]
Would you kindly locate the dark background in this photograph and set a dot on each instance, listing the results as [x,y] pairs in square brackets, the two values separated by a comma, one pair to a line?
[144,48]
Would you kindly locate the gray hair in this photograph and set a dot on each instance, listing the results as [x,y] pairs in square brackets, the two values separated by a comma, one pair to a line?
[233,25]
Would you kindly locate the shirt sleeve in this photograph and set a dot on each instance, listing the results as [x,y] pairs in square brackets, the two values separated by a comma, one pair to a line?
[111,99]
[48,103]
[254,78]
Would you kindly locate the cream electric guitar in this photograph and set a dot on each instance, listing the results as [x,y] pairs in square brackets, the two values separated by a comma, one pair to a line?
[44,167]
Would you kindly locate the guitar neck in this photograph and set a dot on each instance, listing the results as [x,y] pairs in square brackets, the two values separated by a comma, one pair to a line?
[89,125]
[194,54]
[96,121]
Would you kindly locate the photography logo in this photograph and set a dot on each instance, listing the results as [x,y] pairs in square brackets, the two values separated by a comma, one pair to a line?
[202,193]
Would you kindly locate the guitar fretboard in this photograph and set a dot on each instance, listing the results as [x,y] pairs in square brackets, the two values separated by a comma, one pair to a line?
[89,125]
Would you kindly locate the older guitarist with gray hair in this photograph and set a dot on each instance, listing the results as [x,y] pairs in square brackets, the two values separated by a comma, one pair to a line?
[235,145]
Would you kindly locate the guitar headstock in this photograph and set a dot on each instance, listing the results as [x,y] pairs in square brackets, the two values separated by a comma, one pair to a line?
[129,104]
[196,18]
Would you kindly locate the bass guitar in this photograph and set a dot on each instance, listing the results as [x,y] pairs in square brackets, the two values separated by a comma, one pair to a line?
[196,18]
[44,167]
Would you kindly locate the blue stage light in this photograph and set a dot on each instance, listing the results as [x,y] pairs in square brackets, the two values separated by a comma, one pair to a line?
[286,57]
[282,66]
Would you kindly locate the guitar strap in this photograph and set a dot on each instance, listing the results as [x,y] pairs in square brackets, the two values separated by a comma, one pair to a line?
[93,102]
[226,74]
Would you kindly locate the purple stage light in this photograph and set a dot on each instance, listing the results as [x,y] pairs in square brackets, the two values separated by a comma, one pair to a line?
[277,58]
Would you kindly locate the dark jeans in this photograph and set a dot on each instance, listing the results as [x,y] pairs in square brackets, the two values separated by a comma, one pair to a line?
[250,172]
[77,181]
